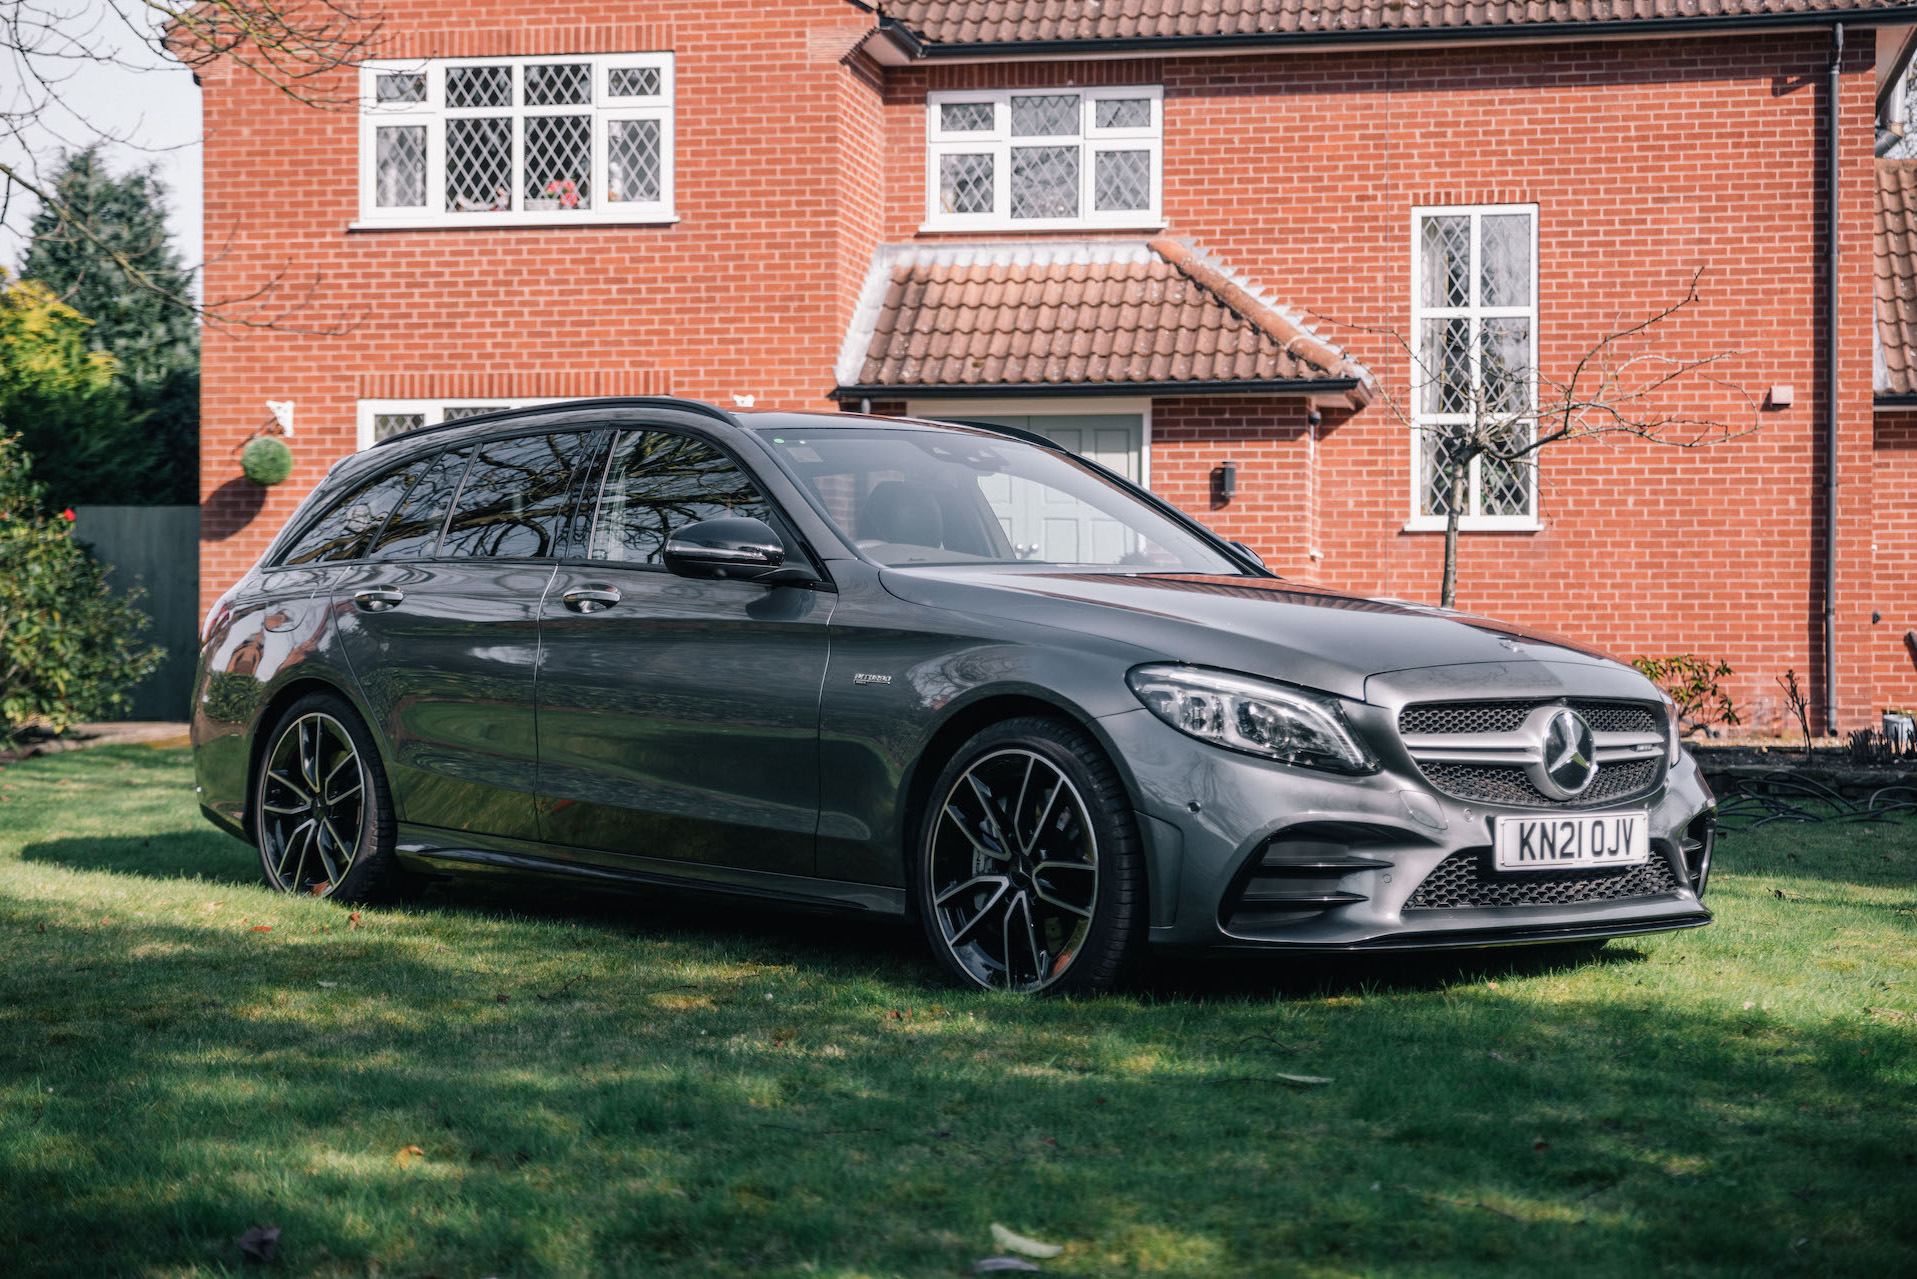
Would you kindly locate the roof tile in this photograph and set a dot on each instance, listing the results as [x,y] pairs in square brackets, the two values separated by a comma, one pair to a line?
[1894,283]
[1109,313]
[957,22]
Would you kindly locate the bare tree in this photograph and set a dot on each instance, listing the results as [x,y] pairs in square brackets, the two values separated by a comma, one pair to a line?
[1476,397]
[296,46]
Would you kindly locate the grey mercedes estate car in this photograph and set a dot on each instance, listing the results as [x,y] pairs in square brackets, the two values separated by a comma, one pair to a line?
[912,668]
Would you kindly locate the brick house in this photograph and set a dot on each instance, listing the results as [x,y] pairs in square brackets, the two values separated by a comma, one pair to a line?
[1165,232]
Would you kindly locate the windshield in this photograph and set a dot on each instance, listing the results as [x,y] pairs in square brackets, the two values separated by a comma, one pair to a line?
[916,497]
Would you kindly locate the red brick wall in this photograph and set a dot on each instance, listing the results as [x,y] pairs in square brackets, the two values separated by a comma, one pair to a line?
[1893,546]
[746,294]
[1646,159]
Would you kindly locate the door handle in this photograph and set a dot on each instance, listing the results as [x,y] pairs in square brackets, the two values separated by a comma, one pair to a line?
[378,601]
[591,599]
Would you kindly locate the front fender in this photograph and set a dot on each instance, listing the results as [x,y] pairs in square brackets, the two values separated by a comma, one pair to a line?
[904,683]
[277,641]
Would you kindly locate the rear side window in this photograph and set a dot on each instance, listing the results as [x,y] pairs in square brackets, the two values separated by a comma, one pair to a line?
[657,483]
[516,497]
[413,532]
[350,524]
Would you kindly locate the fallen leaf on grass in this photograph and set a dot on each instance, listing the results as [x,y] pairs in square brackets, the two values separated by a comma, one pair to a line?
[260,1243]
[990,1265]
[1012,1241]
[502,999]
[352,920]
[260,928]
[407,1154]
[1540,1146]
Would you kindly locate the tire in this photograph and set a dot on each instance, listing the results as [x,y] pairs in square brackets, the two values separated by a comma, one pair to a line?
[323,822]
[1027,870]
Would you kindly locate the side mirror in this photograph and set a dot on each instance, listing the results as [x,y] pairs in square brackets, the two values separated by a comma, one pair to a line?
[734,546]
[1249,554]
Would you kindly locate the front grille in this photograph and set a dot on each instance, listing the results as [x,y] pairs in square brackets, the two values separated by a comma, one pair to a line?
[1508,717]
[1462,880]
[1509,784]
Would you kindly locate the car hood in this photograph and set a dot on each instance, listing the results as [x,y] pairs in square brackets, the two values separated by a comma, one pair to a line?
[1268,626]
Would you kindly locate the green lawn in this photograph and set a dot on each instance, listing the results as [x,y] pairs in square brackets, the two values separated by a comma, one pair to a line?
[533,1083]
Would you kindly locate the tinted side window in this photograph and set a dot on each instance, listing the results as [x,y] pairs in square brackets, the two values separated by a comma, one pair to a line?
[658,482]
[515,496]
[413,532]
[351,523]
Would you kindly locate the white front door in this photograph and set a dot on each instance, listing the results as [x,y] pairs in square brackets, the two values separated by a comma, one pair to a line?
[1045,525]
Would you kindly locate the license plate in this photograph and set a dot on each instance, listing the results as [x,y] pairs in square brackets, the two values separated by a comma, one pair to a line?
[1571,843]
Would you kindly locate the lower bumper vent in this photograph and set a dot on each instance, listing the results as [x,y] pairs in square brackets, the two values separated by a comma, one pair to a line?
[1462,881]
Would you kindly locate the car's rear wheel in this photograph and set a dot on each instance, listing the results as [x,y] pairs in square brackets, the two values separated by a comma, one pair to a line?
[1028,872]
[322,815]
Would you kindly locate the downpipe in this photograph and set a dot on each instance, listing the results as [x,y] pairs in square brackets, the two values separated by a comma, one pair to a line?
[1832,133]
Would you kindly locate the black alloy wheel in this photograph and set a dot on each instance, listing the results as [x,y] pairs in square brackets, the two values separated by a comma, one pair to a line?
[322,817]
[1029,877]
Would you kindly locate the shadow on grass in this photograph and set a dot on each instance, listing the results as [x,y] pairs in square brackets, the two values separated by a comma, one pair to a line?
[580,1091]
[201,854]
[892,948]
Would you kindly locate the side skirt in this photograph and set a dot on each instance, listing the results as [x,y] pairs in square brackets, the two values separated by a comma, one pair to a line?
[432,849]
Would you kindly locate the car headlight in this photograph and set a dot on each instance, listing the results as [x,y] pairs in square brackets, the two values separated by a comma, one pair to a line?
[1252,715]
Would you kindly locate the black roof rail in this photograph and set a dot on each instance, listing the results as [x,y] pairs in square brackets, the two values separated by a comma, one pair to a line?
[998,428]
[631,401]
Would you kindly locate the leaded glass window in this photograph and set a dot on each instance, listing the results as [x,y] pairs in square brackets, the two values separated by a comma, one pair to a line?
[382,419]
[1474,338]
[454,141]
[387,425]
[1011,159]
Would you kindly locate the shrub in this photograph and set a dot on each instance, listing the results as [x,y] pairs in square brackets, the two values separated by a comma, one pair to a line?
[1693,684]
[267,460]
[70,648]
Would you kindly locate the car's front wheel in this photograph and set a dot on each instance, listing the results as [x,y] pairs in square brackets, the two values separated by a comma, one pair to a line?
[322,816]
[1028,870]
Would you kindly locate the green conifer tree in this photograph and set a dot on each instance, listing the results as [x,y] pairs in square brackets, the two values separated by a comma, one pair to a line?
[154,339]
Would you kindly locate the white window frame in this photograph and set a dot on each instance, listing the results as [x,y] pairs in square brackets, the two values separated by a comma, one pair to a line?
[433,113]
[999,143]
[1469,520]
[434,411]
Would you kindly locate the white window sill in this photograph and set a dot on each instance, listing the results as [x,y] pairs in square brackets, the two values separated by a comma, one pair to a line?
[1476,524]
[497,220]
[1036,224]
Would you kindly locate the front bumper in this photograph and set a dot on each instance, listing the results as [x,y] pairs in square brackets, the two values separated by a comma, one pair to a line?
[1252,854]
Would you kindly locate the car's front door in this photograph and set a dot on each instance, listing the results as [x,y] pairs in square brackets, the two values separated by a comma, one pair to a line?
[678,718]
[440,624]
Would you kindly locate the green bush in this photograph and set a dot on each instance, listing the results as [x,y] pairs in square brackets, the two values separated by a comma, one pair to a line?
[70,648]
[267,460]
[1693,684]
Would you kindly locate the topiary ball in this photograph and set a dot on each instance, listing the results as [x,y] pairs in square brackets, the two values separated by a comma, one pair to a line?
[266,460]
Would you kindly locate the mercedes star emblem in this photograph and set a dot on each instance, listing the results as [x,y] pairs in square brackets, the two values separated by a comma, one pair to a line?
[1570,755]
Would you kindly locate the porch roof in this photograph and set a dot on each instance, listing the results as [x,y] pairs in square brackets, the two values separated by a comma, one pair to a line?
[1894,348]
[1108,316]
[932,27]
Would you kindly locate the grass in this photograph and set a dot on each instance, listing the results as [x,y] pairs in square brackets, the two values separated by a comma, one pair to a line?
[548,1084]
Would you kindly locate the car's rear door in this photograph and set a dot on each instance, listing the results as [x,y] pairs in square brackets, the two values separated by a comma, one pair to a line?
[440,624]
[679,718]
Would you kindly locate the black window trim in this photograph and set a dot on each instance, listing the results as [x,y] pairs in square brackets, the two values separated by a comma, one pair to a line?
[287,543]
[608,421]
[573,483]
[782,523]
